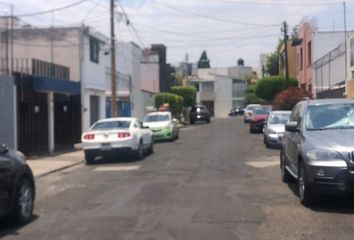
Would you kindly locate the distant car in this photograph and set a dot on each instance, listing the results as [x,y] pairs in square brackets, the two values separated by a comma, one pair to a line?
[114,136]
[199,113]
[317,148]
[17,186]
[236,111]
[162,125]
[274,128]
[259,116]
[248,112]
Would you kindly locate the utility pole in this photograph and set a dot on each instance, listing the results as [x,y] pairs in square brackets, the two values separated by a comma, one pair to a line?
[284,29]
[113,65]
[7,45]
[12,39]
[345,40]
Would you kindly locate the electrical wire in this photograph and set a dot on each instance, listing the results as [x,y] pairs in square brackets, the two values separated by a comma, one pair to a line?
[209,17]
[51,10]
[264,3]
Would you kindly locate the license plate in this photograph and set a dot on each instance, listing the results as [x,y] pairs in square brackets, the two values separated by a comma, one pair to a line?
[106,147]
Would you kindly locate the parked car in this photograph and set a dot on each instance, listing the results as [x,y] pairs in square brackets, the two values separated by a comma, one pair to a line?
[274,128]
[258,118]
[114,136]
[17,186]
[248,112]
[317,148]
[199,113]
[162,125]
[236,111]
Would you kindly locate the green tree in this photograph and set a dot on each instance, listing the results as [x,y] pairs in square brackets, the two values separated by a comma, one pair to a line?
[272,67]
[204,61]
[268,87]
[189,94]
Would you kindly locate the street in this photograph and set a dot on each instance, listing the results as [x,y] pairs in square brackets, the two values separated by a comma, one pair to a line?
[216,182]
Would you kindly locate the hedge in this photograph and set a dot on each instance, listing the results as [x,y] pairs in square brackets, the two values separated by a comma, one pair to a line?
[175,102]
[188,93]
[269,87]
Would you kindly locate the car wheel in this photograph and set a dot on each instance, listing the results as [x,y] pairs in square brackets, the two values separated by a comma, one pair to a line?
[24,201]
[177,135]
[89,158]
[285,175]
[139,153]
[305,195]
[151,148]
[192,122]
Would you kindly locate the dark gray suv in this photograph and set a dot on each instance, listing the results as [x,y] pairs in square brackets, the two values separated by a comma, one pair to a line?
[318,147]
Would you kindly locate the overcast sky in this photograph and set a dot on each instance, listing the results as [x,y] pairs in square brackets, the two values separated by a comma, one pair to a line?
[226,29]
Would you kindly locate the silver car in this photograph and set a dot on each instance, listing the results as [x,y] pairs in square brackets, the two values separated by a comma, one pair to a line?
[318,147]
[274,128]
[248,112]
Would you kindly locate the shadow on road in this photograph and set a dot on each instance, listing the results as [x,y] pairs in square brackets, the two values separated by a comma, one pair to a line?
[343,204]
[9,228]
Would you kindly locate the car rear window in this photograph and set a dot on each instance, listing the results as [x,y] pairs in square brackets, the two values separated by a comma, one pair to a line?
[198,109]
[262,111]
[111,125]
[157,118]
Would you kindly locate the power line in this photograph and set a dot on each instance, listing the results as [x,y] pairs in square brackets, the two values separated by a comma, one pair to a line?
[52,10]
[210,17]
[263,3]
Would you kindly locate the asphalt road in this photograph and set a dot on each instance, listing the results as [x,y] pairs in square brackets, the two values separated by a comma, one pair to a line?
[217,182]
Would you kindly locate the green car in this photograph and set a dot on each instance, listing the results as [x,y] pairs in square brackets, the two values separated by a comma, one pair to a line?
[162,125]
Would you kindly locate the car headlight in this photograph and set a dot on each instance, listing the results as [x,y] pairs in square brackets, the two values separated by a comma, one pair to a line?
[323,154]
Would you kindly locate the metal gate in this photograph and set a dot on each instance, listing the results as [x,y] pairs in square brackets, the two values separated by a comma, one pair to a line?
[94,109]
[67,121]
[32,128]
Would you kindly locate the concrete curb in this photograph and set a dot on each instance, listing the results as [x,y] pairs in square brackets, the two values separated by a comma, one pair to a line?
[60,169]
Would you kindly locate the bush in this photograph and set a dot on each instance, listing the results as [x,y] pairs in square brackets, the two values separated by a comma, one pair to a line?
[287,99]
[251,98]
[174,101]
[269,87]
[188,93]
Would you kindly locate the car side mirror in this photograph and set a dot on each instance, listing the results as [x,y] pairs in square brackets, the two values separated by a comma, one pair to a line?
[4,148]
[292,127]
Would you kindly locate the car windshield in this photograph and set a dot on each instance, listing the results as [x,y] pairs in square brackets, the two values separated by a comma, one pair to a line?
[261,111]
[330,116]
[111,125]
[279,118]
[157,118]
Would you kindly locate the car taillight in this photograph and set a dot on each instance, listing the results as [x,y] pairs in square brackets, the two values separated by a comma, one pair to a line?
[123,134]
[89,136]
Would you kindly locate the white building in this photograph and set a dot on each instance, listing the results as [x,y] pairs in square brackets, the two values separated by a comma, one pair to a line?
[221,89]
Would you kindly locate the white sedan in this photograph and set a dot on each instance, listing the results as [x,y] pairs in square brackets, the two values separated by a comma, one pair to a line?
[115,136]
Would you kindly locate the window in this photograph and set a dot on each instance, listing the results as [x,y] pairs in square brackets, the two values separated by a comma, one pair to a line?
[94,50]
[301,58]
[157,118]
[111,125]
[238,89]
[309,51]
[207,86]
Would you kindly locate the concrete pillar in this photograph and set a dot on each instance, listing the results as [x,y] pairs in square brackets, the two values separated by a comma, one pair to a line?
[51,141]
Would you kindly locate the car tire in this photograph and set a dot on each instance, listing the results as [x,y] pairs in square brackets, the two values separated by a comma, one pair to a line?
[151,148]
[89,158]
[177,135]
[305,194]
[192,122]
[284,173]
[24,201]
[251,130]
[139,153]
[208,120]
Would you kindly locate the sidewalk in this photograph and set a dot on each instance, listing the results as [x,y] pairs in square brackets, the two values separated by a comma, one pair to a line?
[49,164]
